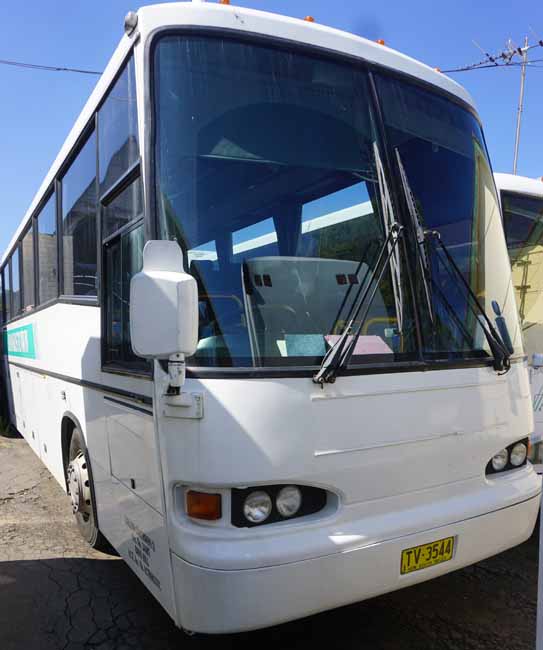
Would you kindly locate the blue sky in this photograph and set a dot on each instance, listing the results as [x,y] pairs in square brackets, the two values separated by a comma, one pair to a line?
[38,108]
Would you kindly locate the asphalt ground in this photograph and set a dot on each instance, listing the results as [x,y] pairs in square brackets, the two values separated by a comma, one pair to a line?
[56,593]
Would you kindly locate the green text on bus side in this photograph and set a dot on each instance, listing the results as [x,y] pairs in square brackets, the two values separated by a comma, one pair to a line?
[19,342]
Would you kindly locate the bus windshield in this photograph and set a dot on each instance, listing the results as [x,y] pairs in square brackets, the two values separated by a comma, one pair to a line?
[269,174]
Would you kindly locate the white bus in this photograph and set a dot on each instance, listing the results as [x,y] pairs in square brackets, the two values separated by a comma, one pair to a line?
[248,321]
[522,209]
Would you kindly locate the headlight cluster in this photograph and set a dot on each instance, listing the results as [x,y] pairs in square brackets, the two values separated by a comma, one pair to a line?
[271,503]
[511,457]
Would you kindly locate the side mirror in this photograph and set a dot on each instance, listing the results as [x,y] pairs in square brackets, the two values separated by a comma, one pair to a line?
[163,304]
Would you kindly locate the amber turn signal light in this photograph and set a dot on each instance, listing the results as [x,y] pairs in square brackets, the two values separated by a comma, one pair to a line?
[201,505]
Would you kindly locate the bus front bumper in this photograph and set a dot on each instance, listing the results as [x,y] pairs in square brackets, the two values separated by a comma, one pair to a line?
[223,601]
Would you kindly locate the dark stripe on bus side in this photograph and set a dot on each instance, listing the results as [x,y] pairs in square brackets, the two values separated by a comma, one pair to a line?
[127,405]
[136,397]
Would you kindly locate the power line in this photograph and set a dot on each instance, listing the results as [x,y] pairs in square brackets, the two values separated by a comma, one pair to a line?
[501,59]
[49,68]
[506,59]
[480,66]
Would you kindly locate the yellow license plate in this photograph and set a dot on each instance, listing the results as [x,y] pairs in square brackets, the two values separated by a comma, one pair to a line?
[426,555]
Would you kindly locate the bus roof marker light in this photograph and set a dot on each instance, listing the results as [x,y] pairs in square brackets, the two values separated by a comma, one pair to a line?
[224,2]
[380,41]
[309,19]
[130,22]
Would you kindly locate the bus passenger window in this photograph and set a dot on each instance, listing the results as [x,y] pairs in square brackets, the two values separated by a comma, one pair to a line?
[125,207]
[79,223]
[47,252]
[123,258]
[2,311]
[15,284]
[28,270]
[118,129]
[7,293]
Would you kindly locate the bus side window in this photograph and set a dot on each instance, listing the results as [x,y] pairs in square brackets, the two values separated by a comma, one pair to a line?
[121,212]
[2,308]
[123,258]
[7,293]
[79,222]
[47,251]
[118,146]
[28,269]
[15,284]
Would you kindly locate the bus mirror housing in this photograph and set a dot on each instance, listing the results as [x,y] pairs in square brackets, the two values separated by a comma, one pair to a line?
[163,304]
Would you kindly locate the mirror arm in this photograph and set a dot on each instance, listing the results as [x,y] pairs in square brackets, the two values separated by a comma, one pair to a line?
[177,373]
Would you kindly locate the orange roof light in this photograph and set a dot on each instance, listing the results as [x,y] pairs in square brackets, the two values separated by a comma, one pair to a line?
[380,41]
[309,19]
[437,69]
[224,2]
[201,505]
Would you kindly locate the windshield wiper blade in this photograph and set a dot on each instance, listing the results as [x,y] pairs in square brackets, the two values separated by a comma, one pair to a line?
[500,351]
[419,233]
[500,346]
[340,353]
[389,221]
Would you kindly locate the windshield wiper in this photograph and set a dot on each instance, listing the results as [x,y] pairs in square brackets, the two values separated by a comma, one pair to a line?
[339,355]
[501,351]
[500,345]
[389,221]
[422,257]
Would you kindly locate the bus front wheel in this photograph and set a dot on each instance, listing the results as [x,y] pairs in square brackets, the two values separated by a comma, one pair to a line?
[80,490]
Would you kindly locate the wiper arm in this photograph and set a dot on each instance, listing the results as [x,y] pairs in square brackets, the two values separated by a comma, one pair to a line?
[339,355]
[501,352]
[420,235]
[500,346]
[389,221]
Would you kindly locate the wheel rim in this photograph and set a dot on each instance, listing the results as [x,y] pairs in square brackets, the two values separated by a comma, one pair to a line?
[79,486]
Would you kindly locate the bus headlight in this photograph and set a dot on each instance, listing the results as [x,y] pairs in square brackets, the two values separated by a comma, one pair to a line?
[499,461]
[289,501]
[514,456]
[270,504]
[518,454]
[257,507]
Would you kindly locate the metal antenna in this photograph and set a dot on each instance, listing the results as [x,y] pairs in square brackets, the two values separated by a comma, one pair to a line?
[504,59]
[524,53]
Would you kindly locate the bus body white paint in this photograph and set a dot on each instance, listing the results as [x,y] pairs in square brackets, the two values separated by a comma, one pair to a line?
[412,445]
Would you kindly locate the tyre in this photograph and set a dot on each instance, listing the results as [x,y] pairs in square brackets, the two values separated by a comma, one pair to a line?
[81,492]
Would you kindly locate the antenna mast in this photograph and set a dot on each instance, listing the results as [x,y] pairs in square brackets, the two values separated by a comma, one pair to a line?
[524,52]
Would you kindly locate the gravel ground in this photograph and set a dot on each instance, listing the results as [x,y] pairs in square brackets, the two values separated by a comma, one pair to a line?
[57,594]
